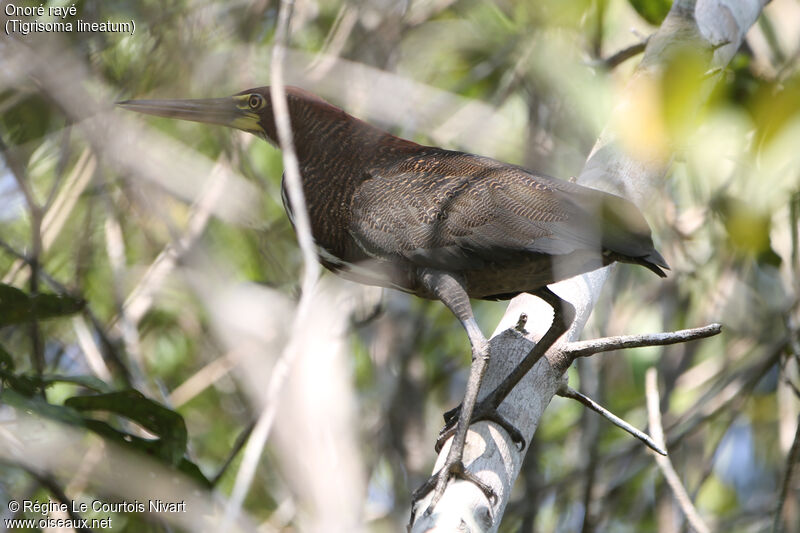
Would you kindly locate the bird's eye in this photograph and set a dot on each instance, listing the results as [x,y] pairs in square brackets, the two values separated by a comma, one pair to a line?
[255,101]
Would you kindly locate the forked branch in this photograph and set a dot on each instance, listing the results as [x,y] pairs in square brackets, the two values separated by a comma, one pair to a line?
[570,351]
[568,392]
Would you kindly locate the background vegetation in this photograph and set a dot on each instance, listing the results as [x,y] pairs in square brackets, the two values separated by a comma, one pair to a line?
[138,259]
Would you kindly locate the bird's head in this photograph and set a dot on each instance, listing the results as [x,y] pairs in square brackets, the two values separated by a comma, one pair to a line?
[249,110]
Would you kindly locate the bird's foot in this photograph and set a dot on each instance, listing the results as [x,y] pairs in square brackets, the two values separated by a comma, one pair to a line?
[485,410]
[453,468]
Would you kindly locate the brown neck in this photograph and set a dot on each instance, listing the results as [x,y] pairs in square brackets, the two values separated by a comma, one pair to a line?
[324,132]
[336,152]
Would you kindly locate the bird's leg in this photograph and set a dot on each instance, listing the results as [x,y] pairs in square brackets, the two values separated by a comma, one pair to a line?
[563,315]
[452,293]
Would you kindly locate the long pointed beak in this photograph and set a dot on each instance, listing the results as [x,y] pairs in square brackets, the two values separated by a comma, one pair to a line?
[222,111]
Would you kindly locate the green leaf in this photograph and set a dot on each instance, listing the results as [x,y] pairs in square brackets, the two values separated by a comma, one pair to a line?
[653,11]
[40,407]
[775,106]
[18,307]
[748,229]
[157,419]
[27,120]
[168,425]
[24,385]
[6,362]
[193,471]
[90,382]
[29,385]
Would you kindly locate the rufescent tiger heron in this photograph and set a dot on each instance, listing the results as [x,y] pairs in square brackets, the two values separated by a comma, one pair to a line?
[439,224]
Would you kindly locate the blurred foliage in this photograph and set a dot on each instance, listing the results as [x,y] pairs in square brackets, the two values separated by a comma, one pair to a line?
[18,307]
[727,222]
[653,11]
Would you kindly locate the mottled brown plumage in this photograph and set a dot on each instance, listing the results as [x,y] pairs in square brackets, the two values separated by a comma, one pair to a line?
[394,206]
[439,224]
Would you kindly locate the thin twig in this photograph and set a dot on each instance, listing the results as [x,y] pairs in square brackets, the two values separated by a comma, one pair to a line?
[294,185]
[597,37]
[59,212]
[732,389]
[794,228]
[568,392]
[713,444]
[621,56]
[791,460]
[50,484]
[237,446]
[98,366]
[663,462]
[115,250]
[201,380]
[710,407]
[294,189]
[61,169]
[90,349]
[87,342]
[573,350]
[36,214]
[19,175]
[11,251]
[335,41]
[784,373]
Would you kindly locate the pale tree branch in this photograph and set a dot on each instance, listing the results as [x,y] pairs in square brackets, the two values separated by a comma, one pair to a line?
[573,350]
[568,392]
[663,462]
[294,189]
[489,453]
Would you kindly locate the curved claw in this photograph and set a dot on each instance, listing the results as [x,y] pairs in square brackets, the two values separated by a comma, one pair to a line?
[444,434]
[454,470]
[493,416]
[483,412]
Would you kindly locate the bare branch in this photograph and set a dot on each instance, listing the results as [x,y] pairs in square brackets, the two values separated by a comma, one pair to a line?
[293,184]
[37,351]
[568,392]
[19,175]
[663,462]
[294,189]
[573,350]
[241,440]
[791,460]
[90,349]
[61,168]
[728,398]
[115,250]
[202,379]
[621,56]
[255,444]
[58,212]
[88,344]
[55,489]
